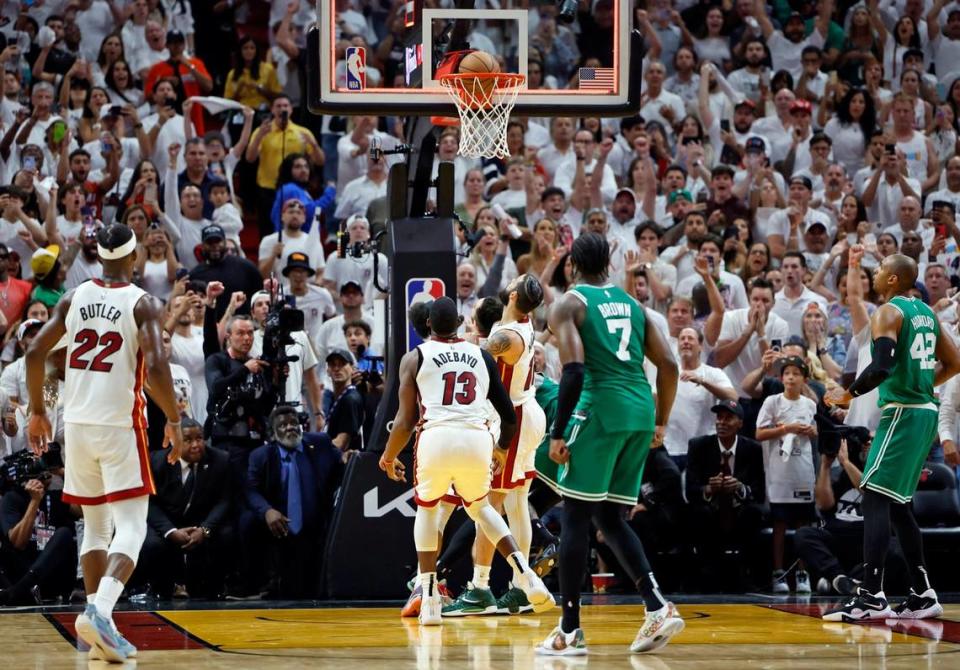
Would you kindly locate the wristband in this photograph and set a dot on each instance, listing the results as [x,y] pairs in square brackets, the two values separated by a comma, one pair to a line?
[175,424]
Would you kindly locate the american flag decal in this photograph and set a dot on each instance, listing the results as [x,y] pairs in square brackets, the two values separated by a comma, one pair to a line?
[596,78]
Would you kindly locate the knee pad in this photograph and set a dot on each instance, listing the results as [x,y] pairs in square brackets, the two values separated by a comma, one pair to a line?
[488,521]
[97,528]
[446,511]
[130,519]
[426,528]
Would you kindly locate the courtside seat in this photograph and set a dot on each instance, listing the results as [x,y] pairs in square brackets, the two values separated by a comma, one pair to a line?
[935,504]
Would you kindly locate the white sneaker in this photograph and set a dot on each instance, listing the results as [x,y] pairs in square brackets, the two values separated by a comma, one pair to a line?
[803,583]
[430,608]
[538,595]
[657,629]
[559,643]
[779,582]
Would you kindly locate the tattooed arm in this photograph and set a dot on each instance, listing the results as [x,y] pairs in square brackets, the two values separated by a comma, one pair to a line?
[505,345]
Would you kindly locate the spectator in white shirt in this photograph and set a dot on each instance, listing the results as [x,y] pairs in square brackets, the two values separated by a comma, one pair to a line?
[659,104]
[916,148]
[95,20]
[277,247]
[888,185]
[360,192]
[776,129]
[560,147]
[149,52]
[747,79]
[699,389]
[908,220]
[787,46]
[791,302]
[951,190]
[786,227]
[730,285]
[585,144]
[746,334]
[358,269]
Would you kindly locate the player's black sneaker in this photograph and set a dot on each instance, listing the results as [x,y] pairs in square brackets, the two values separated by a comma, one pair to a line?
[923,606]
[861,607]
[547,559]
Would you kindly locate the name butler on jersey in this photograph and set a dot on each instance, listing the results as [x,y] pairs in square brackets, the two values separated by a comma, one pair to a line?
[103,386]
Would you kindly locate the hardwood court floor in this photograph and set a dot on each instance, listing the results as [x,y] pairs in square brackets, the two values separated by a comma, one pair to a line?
[765,634]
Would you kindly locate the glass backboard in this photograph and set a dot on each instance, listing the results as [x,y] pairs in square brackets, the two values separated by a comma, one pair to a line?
[387,63]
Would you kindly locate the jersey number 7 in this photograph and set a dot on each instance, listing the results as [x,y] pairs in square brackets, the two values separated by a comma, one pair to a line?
[87,339]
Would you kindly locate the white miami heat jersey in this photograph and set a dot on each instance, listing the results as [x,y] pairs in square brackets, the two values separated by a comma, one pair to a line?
[452,384]
[518,378]
[103,384]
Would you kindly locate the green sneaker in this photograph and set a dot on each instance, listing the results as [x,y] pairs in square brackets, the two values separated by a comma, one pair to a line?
[472,602]
[514,601]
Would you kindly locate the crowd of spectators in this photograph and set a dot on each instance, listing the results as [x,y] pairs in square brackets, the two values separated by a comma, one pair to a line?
[779,154]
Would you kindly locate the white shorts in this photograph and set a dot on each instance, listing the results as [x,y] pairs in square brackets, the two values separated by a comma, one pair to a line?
[531,427]
[456,455]
[105,464]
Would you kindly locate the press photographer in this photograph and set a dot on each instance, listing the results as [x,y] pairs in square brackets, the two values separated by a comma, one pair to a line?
[368,373]
[241,395]
[39,548]
[280,340]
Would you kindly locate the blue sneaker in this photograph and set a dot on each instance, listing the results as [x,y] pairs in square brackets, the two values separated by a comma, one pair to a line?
[98,632]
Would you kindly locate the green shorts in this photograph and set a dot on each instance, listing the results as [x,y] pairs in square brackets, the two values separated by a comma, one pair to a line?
[899,450]
[603,465]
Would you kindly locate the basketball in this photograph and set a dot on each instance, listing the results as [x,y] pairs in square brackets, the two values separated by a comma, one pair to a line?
[480,62]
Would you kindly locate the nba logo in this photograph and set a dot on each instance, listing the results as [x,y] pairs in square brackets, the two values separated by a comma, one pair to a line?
[420,290]
[356,68]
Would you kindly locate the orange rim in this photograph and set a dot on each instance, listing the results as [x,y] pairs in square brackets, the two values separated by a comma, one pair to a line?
[467,93]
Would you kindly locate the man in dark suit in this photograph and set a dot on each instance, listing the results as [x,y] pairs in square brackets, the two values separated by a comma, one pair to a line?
[188,537]
[726,487]
[289,490]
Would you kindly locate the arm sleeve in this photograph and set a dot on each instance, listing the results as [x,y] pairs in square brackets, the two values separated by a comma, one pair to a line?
[947,422]
[879,368]
[571,384]
[211,344]
[500,399]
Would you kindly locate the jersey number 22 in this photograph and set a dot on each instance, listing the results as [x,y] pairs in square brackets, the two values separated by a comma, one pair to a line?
[110,342]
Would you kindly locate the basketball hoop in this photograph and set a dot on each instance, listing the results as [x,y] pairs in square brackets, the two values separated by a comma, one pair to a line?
[484,101]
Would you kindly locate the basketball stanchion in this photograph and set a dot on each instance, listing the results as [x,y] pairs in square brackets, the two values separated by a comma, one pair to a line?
[484,101]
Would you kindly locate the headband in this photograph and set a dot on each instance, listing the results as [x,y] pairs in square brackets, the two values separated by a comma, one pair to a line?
[122,251]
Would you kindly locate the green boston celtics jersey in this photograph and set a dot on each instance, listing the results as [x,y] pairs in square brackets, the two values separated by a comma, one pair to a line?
[911,381]
[615,387]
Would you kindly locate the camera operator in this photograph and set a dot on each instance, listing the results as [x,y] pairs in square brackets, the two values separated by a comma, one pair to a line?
[238,386]
[833,551]
[300,372]
[357,266]
[345,414]
[40,547]
[368,375]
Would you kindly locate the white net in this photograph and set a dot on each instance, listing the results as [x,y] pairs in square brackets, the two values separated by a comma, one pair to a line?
[484,103]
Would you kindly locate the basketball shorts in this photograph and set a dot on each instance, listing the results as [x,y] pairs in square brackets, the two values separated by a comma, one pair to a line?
[105,464]
[603,465]
[899,450]
[452,455]
[547,471]
[531,425]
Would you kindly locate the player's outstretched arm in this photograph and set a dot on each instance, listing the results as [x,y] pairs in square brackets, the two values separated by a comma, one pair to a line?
[148,313]
[658,351]
[405,419]
[505,345]
[948,358]
[39,430]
